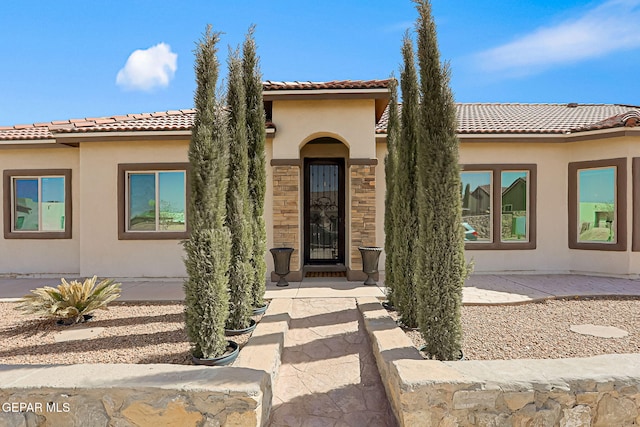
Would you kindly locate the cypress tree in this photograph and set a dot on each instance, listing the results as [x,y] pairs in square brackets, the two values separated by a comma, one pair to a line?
[207,250]
[256,136]
[238,209]
[442,268]
[390,170]
[406,207]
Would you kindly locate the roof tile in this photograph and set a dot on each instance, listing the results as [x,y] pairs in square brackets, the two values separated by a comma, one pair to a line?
[479,118]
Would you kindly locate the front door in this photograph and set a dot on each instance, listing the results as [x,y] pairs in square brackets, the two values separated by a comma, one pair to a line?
[324,211]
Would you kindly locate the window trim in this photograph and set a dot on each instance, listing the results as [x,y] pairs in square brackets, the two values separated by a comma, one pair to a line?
[621,204]
[123,169]
[635,172]
[8,202]
[496,200]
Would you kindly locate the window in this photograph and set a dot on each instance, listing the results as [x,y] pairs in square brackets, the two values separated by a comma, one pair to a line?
[597,205]
[37,204]
[152,201]
[498,206]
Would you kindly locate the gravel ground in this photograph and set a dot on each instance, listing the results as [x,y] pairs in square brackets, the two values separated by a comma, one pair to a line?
[154,333]
[133,333]
[541,330]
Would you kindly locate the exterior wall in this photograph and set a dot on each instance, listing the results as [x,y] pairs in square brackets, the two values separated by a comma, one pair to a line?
[552,253]
[55,257]
[349,121]
[363,211]
[381,190]
[101,252]
[286,211]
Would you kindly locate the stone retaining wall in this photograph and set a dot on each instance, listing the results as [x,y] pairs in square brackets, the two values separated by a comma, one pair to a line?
[151,395]
[594,391]
[132,395]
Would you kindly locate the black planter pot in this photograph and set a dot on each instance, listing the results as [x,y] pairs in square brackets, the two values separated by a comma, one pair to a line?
[261,309]
[233,332]
[223,360]
[69,322]
[370,256]
[281,260]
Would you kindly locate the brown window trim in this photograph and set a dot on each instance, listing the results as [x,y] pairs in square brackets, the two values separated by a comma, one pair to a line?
[8,204]
[635,171]
[496,196]
[621,204]
[123,234]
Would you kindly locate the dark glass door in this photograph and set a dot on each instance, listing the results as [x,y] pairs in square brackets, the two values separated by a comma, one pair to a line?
[324,211]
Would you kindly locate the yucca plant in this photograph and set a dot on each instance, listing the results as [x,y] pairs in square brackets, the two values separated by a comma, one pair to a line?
[70,301]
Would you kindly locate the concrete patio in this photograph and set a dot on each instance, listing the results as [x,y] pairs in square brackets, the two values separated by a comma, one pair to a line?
[479,288]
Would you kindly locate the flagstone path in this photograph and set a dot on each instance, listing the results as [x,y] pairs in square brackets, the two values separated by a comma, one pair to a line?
[328,375]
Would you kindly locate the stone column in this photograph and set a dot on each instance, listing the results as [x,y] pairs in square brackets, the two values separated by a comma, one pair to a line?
[363,212]
[286,212]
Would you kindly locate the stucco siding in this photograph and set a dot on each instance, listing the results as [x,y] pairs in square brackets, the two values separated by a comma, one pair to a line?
[101,251]
[56,257]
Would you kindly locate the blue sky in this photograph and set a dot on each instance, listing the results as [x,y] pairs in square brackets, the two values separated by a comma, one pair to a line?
[74,59]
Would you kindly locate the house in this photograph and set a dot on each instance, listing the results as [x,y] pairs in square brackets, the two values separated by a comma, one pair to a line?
[555,186]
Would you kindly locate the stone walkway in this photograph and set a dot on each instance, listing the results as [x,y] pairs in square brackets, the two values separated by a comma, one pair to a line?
[328,375]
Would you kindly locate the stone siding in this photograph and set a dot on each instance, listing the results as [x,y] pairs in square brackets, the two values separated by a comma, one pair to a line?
[363,211]
[133,395]
[595,391]
[286,210]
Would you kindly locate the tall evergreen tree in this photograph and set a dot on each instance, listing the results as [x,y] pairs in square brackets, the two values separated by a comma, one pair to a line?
[406,206]
[207,250]
[256,135]
[391,195]
[441,244]
[238,208]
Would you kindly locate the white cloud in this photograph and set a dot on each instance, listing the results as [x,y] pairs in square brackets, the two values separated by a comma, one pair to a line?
[148,69]
[609,27]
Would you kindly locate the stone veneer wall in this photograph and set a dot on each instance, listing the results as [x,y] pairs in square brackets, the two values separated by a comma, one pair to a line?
[286,210]
[595,391]
[363,210]
[133,395]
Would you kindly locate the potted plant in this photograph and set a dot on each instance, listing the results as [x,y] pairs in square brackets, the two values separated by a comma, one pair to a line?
[208,247]
[70,303]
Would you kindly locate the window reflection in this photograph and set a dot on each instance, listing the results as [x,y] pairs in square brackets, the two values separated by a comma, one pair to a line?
[596,205]
[476,205]
[514,206]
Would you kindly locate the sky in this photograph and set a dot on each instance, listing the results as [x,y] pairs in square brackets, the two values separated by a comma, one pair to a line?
[73,59]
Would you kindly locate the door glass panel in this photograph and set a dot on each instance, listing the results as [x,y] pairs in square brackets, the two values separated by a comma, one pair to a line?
[323,212]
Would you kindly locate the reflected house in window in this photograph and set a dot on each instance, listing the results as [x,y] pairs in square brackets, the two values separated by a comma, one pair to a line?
[514,197]
[480,200]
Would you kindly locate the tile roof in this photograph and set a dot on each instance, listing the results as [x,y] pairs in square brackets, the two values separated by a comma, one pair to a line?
[472,119]
[159,121]
[535,118]
[336,84]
